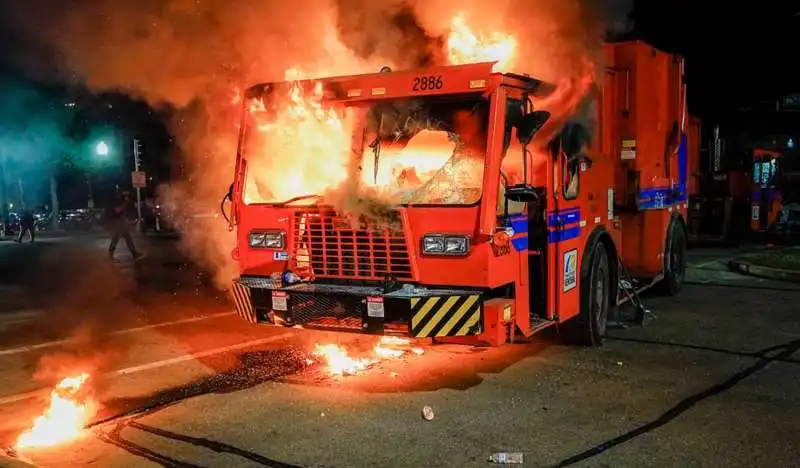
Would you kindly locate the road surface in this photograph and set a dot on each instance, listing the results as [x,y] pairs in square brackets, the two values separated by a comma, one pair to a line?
[713,380]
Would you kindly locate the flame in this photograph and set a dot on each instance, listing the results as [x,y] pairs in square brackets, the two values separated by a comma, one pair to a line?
[340,363]
[301,149]
[465,46]
[303,144]
[66,417]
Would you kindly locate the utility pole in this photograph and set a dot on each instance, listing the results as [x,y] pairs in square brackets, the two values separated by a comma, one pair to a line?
[137,164]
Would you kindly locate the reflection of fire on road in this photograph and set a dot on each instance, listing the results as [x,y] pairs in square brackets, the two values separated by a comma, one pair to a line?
[341,363]
[71,408]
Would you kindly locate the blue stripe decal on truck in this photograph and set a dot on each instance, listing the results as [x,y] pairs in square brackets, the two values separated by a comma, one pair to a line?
[520,243]
[557,236]
[564,217]
[659,198]
[683,163]
[567,230]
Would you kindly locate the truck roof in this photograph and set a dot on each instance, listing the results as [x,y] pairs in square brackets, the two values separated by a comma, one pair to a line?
[441,80]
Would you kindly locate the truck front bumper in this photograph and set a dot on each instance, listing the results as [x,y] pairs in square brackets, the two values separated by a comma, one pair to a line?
[414,312]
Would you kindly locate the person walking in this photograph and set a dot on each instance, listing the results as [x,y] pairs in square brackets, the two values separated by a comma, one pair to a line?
[117,223]
[26,224]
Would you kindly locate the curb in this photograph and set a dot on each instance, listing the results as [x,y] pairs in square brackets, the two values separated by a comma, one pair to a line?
[765,272]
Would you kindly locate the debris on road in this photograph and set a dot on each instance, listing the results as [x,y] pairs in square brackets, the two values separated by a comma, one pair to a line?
[427,413]
[507,458]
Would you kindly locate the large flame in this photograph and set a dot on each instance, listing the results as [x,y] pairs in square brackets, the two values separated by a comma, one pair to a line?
[303,147]
[69,411]
[341,363]
[303,144]
[465,46]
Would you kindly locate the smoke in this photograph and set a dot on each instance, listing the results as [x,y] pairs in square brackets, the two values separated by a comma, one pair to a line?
[389,30]
[90,297]
[192,55]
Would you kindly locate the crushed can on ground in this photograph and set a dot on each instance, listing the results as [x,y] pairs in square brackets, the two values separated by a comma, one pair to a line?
[507,458]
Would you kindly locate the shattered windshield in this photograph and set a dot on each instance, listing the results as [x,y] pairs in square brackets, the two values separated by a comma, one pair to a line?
[425,151]
[300,149]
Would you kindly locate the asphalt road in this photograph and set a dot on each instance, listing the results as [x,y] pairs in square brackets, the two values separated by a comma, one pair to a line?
[713,380]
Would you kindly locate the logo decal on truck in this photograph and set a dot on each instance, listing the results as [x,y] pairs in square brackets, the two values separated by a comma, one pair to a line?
[280,256]
[570,270]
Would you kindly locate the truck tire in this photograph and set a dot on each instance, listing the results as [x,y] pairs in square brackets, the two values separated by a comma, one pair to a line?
[589,327]
[675,269]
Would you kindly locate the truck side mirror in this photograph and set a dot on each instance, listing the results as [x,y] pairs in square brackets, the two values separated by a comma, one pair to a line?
[529,124]
[522,193]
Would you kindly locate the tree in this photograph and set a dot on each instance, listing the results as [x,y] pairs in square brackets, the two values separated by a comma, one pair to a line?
[32,139]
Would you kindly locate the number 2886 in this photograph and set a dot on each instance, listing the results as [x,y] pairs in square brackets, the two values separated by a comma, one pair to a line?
[427,83]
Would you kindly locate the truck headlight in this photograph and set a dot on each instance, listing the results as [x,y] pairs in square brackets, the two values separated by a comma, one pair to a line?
[267,240]
[440,244]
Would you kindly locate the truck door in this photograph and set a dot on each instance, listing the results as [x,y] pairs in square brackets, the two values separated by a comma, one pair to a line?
[565,239]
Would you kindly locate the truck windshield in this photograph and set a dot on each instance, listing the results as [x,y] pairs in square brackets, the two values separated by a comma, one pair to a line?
[426,151]
[404,151]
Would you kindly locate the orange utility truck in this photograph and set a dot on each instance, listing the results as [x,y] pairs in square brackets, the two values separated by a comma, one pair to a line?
[506,234]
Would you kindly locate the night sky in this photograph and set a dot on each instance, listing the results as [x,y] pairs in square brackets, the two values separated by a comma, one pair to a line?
[737,53]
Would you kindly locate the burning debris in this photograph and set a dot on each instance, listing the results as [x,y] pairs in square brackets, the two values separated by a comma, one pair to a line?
[340,363]
[71,408]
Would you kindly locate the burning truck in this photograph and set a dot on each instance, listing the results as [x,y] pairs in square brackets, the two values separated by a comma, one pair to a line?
[454,203]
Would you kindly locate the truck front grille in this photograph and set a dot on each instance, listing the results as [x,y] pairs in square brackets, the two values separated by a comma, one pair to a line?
[334,248]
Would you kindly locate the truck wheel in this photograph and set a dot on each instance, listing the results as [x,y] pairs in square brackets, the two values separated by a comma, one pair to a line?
[675,273]
[589,327]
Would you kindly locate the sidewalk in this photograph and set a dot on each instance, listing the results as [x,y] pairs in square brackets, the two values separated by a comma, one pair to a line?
[778,263]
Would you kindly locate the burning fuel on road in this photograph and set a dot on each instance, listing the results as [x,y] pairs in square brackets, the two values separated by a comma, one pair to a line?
[70,410]
[340,363]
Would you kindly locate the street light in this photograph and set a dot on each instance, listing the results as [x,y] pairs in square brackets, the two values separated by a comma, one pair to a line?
[101,149]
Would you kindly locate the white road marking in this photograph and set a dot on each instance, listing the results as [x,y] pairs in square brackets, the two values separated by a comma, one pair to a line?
[24,396]
[154,365]
[190,357]
[7,320]
[49,344]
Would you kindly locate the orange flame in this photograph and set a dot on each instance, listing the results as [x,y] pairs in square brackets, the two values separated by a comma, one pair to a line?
[301,149]
[464,46]
[340,363]
[64,420]
[303,145]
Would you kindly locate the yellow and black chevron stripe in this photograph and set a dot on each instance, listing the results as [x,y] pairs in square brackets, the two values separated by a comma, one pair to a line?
[243,302]
[445,315]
